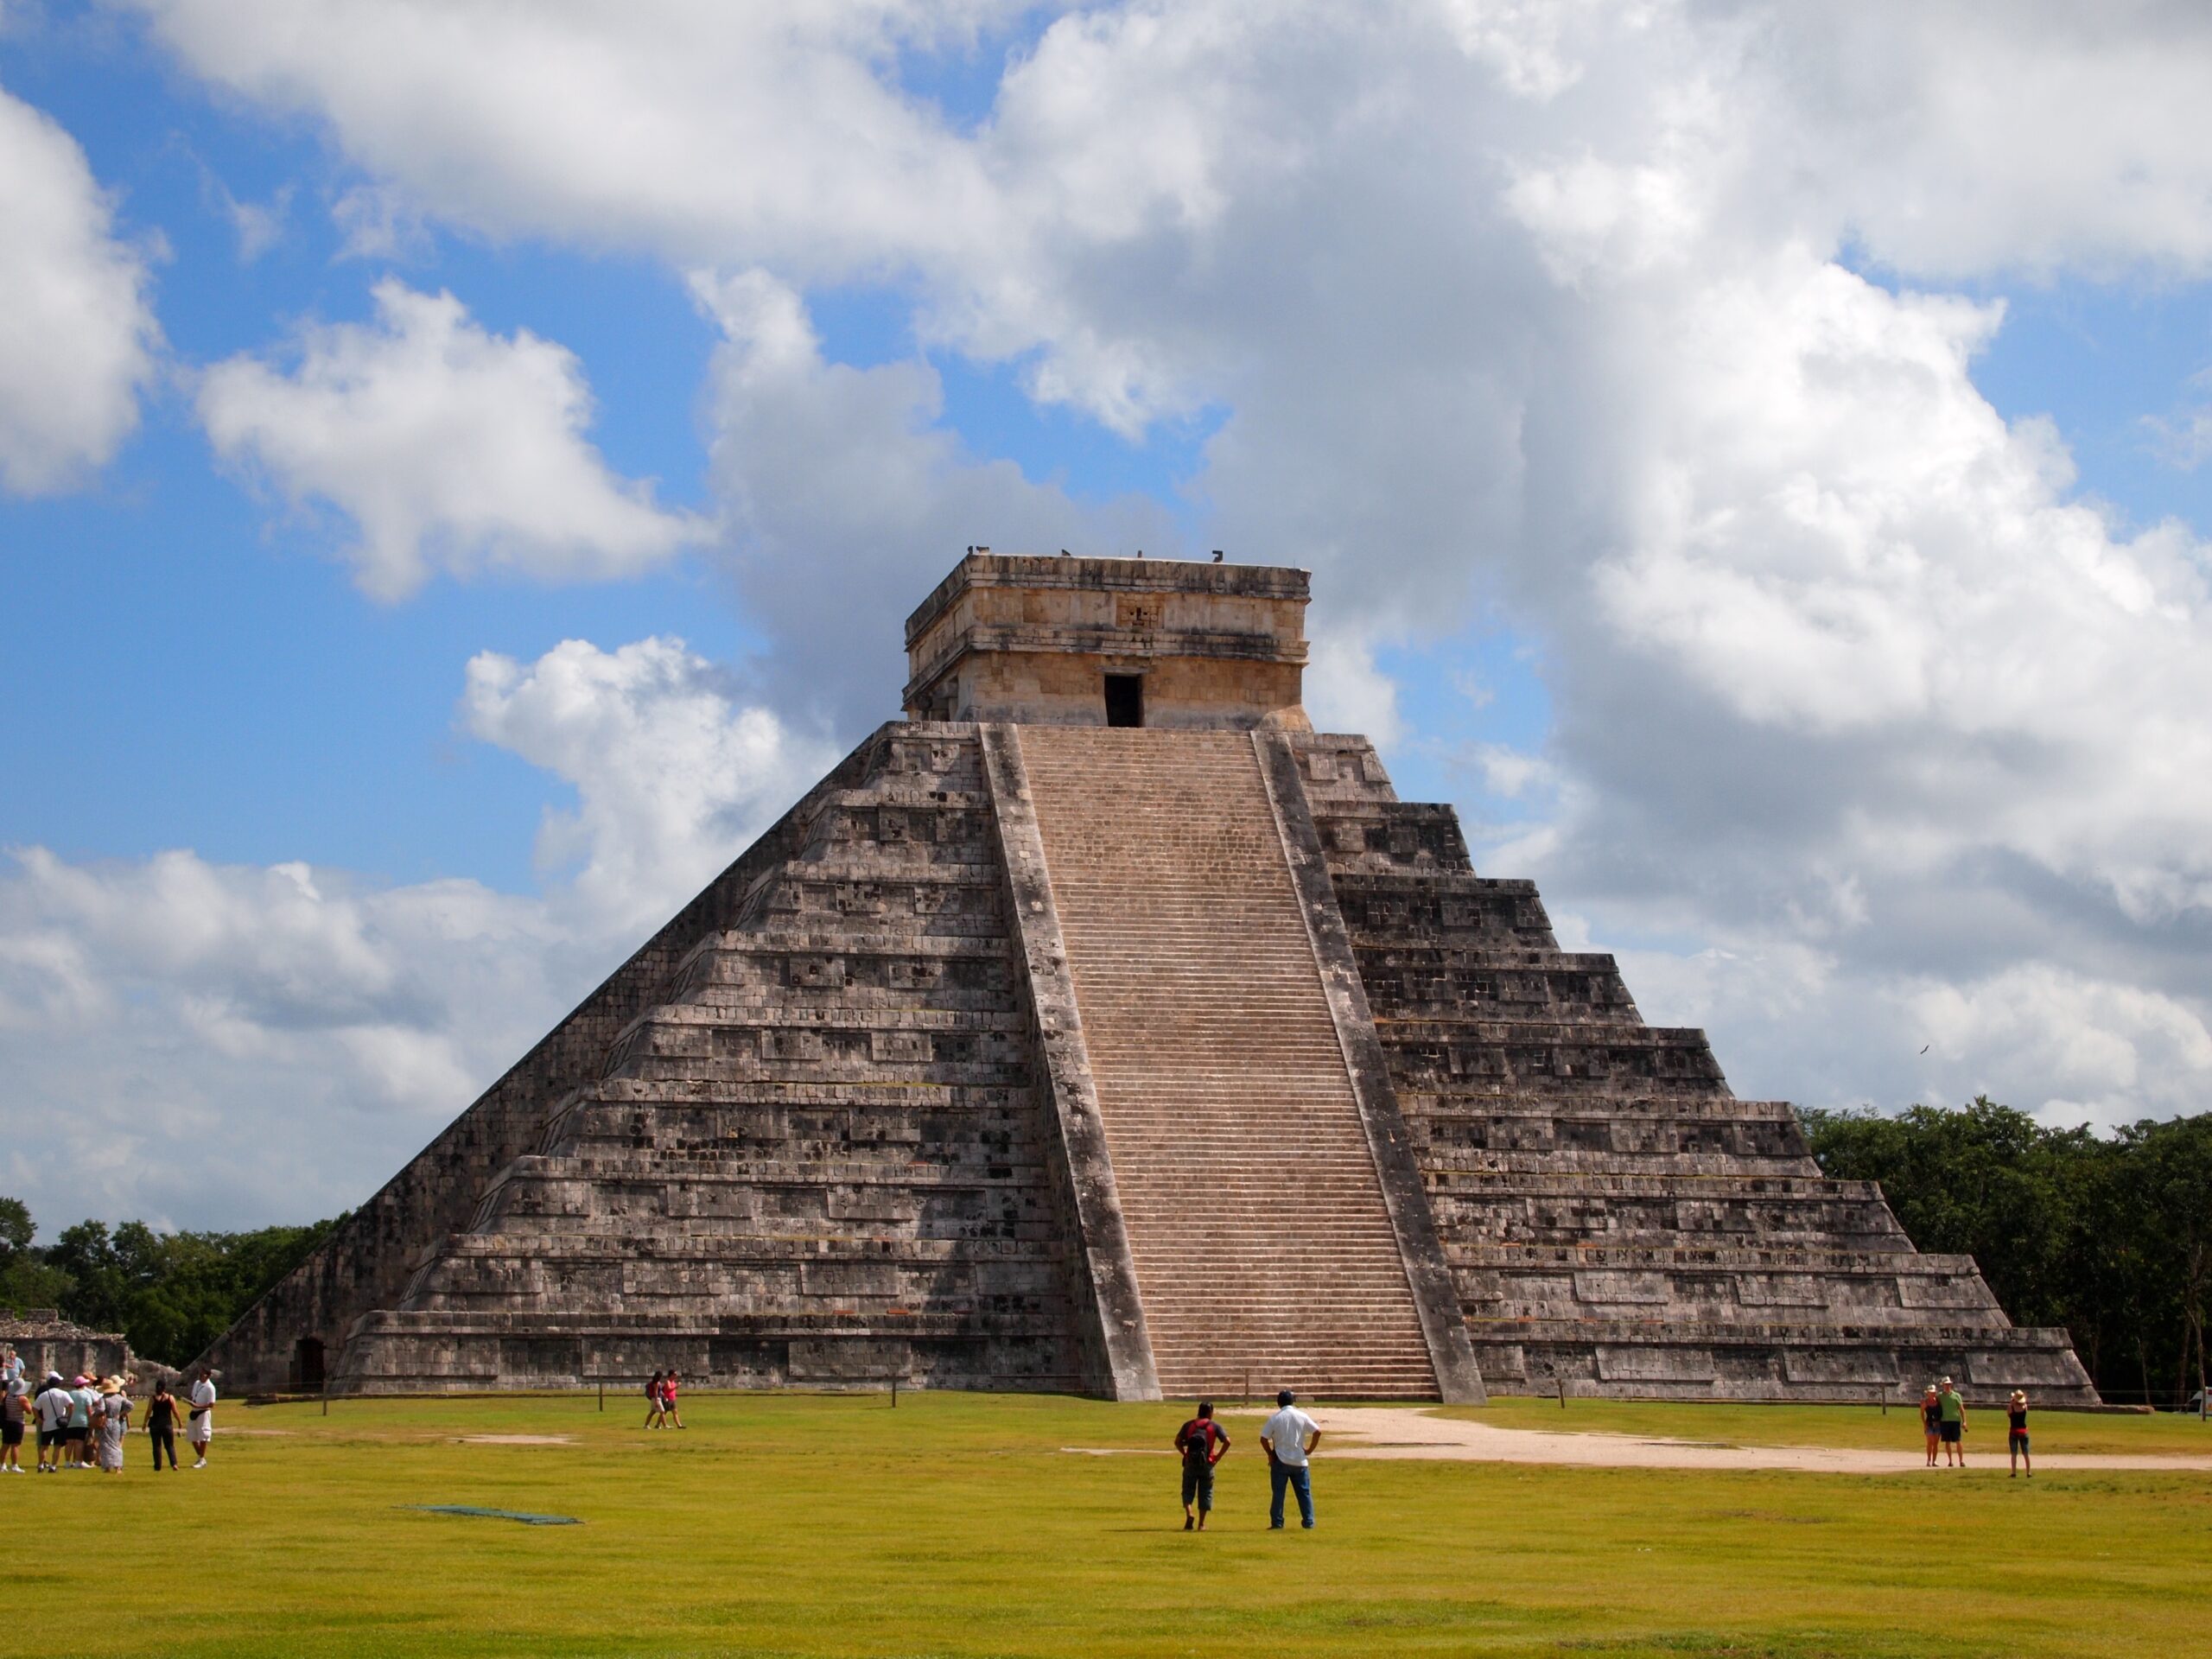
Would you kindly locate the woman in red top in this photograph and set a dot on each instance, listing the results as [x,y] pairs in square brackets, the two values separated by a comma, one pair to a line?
[668,1399]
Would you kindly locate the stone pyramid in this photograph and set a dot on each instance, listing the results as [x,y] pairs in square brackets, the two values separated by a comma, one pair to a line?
[1100,1027]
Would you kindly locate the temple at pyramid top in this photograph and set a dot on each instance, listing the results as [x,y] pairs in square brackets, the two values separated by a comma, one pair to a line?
[1110,642]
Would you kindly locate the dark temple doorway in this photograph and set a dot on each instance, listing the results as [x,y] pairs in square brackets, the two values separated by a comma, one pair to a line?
[306,1364]
[1125,699]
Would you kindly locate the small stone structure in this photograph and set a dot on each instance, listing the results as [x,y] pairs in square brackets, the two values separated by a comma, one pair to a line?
[978,1070]
[47,1341]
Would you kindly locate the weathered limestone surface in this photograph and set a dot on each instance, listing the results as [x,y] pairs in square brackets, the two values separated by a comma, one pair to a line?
[1029,1052]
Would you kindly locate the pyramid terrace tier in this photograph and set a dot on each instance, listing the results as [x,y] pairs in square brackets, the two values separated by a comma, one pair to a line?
[1388,838]
[982,1194]
[1897,1288]
[1445,983]
[1402,908]
[671,1268]
[443,1351]
[1469,1130]
[1782,1361]
[1512,1057]
[1564,1208]
[743,1121]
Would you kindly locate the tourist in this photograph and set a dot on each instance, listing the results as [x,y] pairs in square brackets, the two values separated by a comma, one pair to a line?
[669,1412]
[52,1403]
[200,1426]
[1951,1411]
[113,1421]
[160,1425]
[15,1411]
[11,1366]
[1290,1437]
[1931,1422]
[656,1406]
[84,1400]
[1202,1443]
[2016,1434]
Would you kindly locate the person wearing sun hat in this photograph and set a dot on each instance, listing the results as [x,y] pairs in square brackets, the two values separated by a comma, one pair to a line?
[1931,1422]
[2016,1434]
[112,1420]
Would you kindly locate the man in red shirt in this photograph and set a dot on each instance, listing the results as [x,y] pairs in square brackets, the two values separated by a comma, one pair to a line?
[1202,1443]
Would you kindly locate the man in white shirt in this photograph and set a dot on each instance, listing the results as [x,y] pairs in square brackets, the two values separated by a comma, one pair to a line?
[199,1425]
[52,1403]
[1290,1437]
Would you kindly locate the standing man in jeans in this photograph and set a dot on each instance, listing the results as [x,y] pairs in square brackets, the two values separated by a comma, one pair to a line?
[1290,1437]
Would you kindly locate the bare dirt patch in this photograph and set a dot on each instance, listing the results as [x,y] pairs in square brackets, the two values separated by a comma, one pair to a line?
[1412,1431]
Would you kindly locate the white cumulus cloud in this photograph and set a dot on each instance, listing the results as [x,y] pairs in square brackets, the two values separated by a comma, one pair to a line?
[670,770]
[447,446]
[78,337]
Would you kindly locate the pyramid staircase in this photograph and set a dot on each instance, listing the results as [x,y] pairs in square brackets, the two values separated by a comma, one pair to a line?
[1263,1249]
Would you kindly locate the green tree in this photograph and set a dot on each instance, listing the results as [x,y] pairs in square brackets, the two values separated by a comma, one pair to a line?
[2111,1237]
[26,1280]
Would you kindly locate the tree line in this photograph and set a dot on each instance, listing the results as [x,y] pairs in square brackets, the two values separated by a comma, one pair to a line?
[2108,1236]
[169,1294]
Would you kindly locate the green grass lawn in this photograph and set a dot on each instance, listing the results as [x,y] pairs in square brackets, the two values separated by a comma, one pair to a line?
[955,1525]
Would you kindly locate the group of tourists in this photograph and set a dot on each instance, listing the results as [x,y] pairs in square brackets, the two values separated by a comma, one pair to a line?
[81,1421]
[1943,1419]
[660,1402]
[1288,1438]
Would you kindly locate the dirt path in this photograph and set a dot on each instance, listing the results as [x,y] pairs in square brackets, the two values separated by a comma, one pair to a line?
[1411,1432]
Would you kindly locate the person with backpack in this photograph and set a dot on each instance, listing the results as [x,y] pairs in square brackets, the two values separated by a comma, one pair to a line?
[1202,1443]
[2016,1434]
[14,1412]
[656,1407]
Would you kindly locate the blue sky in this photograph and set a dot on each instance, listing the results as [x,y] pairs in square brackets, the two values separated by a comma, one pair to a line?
[1476,426]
